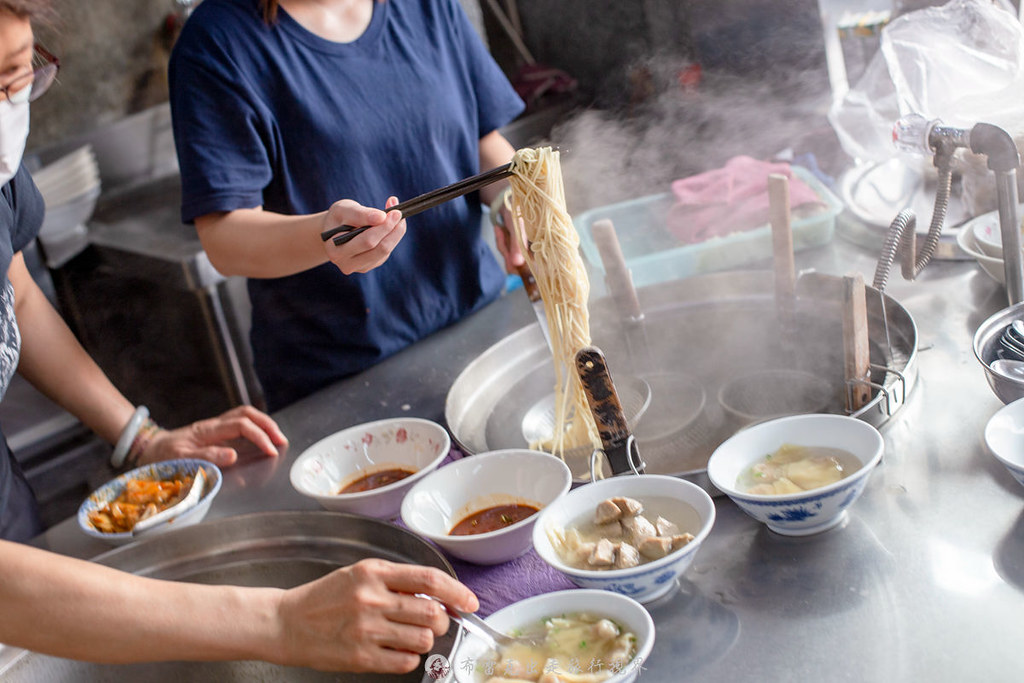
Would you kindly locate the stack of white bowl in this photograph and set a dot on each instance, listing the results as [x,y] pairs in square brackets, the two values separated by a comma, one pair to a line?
[70,187]
[981,238]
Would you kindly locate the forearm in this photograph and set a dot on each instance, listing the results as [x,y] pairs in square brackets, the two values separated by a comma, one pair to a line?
[55,363]
[262,244]
[82,610]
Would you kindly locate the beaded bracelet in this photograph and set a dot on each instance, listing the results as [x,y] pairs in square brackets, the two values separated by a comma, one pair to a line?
[128,434]
[147,431]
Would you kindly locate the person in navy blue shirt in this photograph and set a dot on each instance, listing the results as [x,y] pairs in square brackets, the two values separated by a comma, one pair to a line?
[293,116]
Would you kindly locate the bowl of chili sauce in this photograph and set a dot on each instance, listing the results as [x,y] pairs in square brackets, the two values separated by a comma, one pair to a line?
[482,508]
[367,469]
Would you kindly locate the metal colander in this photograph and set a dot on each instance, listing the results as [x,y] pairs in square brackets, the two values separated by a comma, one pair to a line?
[539,421]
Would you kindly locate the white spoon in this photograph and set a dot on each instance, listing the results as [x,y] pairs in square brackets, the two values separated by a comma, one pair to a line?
[186,503]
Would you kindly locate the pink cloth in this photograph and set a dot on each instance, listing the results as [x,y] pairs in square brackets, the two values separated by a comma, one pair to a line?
[730,199]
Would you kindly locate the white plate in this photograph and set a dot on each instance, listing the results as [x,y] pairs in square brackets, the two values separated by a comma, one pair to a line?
[966,240]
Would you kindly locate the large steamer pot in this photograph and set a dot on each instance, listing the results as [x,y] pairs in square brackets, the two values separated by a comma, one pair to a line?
[277,549]
[720,329]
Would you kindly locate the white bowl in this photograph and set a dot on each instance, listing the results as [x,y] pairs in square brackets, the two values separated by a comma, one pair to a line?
[168,469]
[807,512]
[626,612]
[691,508]
[988,234]
[1004,436]
[336,461]
[992,265]
[477,482]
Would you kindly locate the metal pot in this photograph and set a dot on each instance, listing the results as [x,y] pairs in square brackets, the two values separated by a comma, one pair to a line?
[279,549]
[715,328]
[986,347]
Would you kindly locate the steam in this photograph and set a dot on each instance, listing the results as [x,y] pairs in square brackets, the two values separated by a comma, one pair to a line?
[613,156]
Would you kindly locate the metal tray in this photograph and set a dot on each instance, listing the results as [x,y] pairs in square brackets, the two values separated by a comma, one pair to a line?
[279,549]
[714,328]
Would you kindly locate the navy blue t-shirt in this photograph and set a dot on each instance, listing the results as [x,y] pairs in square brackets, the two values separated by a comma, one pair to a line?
[21,216]
[276,116]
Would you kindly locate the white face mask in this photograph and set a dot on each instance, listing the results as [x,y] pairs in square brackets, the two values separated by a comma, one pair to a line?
[13,136]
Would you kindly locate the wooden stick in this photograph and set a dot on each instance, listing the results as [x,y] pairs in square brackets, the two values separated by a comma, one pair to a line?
[782,241]
[616,273]
[856,342]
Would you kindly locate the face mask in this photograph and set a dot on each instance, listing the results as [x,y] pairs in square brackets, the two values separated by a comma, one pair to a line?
[13,136]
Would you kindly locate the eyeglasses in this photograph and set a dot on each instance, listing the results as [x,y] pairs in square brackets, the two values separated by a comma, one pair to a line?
[31,86]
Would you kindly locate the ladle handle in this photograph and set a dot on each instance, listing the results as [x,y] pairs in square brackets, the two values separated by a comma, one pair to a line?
[619,445]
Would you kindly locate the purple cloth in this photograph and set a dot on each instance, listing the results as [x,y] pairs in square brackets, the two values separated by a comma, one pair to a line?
[500,585]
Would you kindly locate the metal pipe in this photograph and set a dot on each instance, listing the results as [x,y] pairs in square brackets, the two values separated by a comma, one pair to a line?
[1009,229]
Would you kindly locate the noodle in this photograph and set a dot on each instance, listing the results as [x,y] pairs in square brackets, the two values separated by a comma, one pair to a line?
[550,245]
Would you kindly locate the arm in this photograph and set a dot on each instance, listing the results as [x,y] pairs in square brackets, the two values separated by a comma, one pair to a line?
[495,150]
[264,244]
[359,618]
[54,362]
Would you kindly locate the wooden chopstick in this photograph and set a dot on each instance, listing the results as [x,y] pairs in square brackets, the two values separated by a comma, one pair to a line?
[428,200]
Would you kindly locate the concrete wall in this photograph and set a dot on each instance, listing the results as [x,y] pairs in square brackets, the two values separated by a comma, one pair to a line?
[109,50]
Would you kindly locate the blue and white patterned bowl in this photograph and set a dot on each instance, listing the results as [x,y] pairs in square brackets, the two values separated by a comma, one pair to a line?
[692,509]
[1004,436]
[807,512]
[168,469]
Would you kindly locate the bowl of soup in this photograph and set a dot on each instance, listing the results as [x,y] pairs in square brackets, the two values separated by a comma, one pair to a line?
[633,534]
[585,635]
[482,507]
[367,469]
[799,474]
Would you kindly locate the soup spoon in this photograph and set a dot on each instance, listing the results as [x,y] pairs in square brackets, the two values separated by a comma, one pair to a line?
[481,629]
[1011,369]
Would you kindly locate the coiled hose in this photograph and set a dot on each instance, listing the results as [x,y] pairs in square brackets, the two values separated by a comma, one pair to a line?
[902,233]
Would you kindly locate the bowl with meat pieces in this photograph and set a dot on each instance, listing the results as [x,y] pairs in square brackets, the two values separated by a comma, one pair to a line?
[799,475]
[482,508]
[633,535]
[367,469]
[584,636]
[150,500]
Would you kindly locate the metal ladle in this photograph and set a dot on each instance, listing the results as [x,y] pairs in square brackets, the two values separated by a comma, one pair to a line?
[1010,369]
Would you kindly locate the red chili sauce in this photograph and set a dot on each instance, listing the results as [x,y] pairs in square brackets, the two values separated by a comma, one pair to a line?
[377,479]
[492,519]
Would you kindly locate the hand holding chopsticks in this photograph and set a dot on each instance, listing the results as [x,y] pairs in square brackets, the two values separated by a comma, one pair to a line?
[344,233]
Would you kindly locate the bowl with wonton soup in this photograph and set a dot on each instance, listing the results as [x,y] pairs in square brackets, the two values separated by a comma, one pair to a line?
[590,636]
[799,474]
[633,535]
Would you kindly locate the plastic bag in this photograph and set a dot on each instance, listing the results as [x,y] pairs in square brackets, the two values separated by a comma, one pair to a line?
[962,62]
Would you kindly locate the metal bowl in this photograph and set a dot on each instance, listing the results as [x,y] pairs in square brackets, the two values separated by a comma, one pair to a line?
[986,350]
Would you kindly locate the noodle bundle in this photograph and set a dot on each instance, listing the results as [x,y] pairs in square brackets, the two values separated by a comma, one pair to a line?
[550,245]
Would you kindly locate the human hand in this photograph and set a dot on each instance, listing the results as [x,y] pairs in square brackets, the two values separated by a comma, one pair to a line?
[508,246]
[206,439]
[365,617]
[371,248]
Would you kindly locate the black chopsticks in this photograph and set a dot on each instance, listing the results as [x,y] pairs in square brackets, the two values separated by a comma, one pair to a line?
[411,207]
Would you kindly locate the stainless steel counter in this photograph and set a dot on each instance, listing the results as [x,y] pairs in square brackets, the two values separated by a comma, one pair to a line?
[924,582]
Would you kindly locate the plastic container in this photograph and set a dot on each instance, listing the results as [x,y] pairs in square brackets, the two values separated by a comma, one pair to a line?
[654,255]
